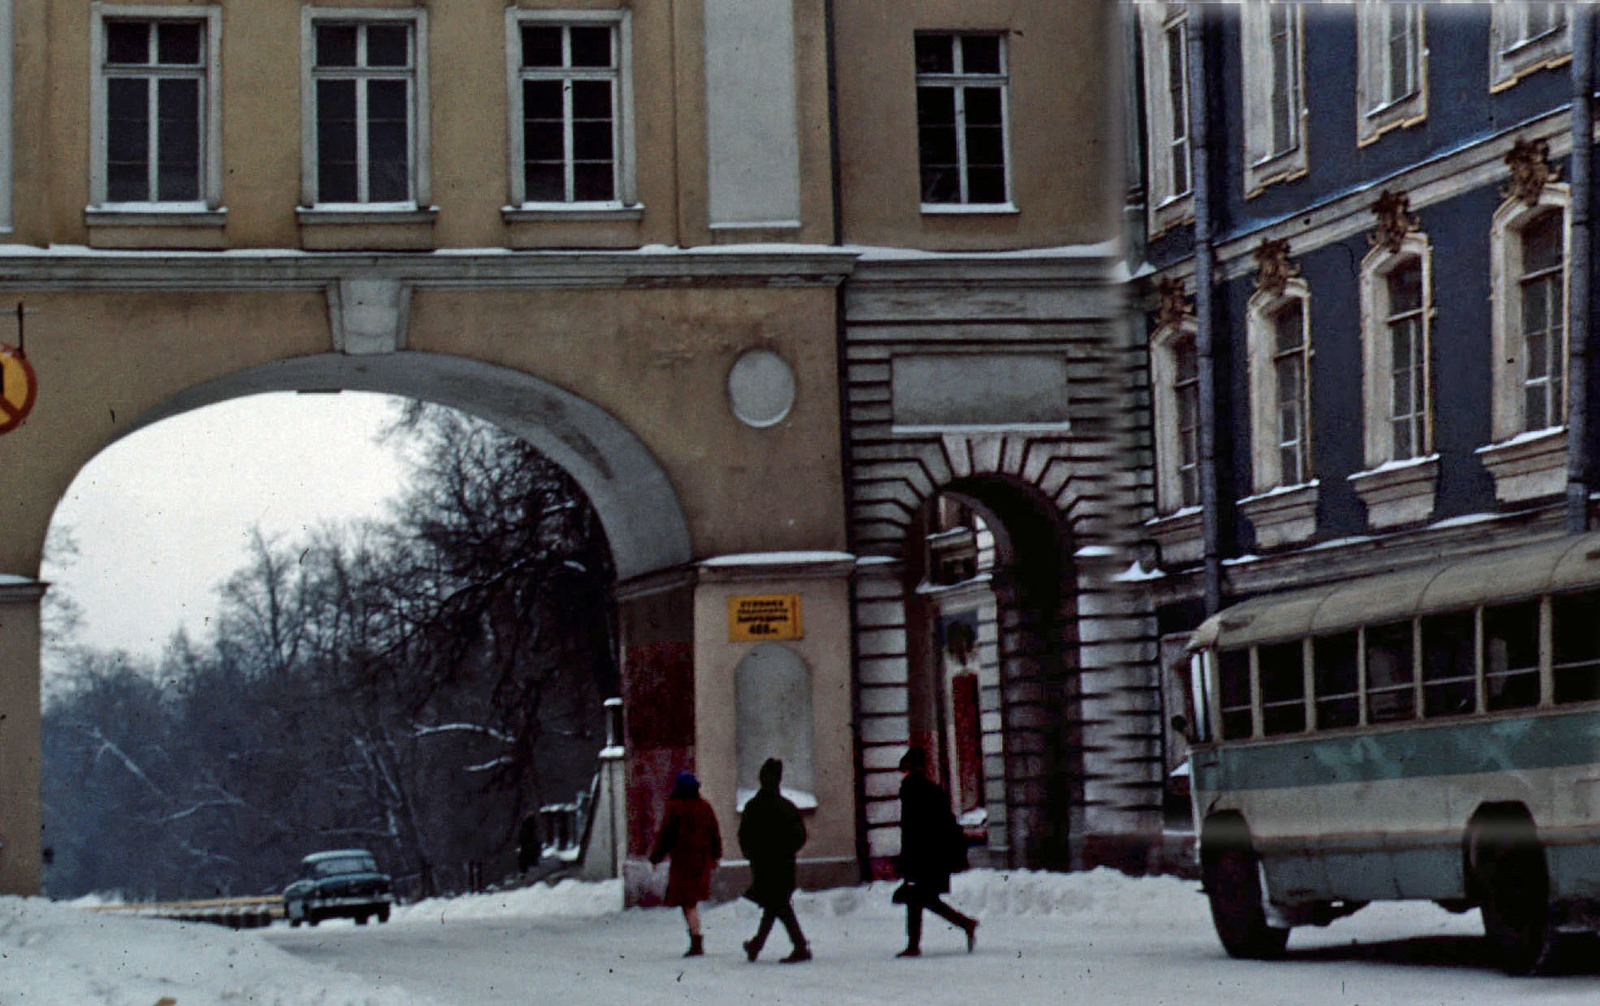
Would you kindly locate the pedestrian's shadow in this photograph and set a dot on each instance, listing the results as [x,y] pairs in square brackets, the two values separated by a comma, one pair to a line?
[1576,955]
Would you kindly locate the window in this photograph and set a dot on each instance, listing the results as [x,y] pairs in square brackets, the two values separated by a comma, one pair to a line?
[366,109]
[1392,68]
[1525,37]
[154,109]
[961,120]
[1391,674]
[1396,313]
[1449,664]
[1529,324]
[1511,655]
[1283,688]
[1337,680]
[1280,364]
[571,108]
[1274,94]
[1176,377]
[1575,643]
[1165,30]
[1234,701]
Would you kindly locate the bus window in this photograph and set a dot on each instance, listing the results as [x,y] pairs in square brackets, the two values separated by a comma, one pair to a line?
[1391,673]
[1511,655]
[1449,665]
[1333,661]
[1576,634]
[1234,668]
[1283,688]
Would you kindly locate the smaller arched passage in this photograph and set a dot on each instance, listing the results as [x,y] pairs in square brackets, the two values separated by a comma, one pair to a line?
[637,504]
[991,648]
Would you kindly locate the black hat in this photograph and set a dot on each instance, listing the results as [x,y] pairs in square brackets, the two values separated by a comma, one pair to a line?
[771,772]
[915,760]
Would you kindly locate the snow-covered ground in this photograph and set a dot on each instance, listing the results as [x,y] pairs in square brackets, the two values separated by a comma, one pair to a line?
[1045,938]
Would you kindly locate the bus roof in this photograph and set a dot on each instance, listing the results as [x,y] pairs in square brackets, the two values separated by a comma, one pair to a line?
[1524,571]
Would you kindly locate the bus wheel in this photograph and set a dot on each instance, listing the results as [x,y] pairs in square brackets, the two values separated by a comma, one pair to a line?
[1515,890]
[1238,910]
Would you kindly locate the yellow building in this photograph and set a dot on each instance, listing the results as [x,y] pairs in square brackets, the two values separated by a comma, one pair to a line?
[768,277]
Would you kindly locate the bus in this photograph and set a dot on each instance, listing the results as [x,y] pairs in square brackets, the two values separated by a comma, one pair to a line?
[1429,733]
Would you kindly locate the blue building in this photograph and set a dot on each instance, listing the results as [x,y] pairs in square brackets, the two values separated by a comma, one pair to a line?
[1368,248]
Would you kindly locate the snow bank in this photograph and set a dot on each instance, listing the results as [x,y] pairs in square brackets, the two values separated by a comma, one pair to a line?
[569,898]
[56,955]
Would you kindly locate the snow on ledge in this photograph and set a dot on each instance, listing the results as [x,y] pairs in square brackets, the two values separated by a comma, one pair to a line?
[799,797]
[777,558]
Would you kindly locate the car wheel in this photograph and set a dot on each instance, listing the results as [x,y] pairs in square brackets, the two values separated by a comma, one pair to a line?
[383,914]
[1234,886]
[1514,887]
[361,920]
[312,918]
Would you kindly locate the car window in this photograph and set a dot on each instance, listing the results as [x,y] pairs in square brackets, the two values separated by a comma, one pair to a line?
[344,864]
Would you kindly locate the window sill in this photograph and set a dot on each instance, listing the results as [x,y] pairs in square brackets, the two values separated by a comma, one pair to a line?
[1530,466]
[1179,536]
[353,213]
[154,215]
[1282,516]
[1399,492]
[584,212]
[969,209]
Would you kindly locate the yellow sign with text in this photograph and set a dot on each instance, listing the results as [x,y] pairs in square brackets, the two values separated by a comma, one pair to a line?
[760,617]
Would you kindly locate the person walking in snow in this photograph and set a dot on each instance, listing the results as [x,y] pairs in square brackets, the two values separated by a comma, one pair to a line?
[689,835]
[770,835]
[932,846]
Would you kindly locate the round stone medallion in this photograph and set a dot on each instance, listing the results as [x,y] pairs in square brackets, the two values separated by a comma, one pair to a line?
[760,388]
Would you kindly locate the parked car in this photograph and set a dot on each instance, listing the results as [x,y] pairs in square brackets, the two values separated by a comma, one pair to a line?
[341,883]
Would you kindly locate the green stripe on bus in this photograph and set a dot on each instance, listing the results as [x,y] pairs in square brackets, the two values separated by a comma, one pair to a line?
[1547,740]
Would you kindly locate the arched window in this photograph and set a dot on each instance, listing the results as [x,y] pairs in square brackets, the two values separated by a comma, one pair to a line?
[1175,376]
[773,697]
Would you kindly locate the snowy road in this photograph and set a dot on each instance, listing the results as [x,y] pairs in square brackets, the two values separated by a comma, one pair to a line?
[1093,938]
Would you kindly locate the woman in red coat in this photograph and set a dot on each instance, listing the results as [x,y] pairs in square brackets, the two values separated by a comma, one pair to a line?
[689,834]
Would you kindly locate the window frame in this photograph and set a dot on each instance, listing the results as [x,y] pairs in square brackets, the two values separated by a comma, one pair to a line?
[1169,205]
[1263,164]
[1171,459]
[626,203]
[1266,439]
[959,80]
[1509,418]
[1378,109]
[1514,55]
[209,203]
[1377,369]
[418,110]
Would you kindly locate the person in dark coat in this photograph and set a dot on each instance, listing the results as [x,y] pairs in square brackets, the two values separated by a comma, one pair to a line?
[770,835]
[929,851]
[689,835]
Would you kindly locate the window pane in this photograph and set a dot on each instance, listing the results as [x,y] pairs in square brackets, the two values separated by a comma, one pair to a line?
[336,45]
[591,46]
[1283,689]
[542,99]
[1405,288]
[178,140]
[388,143]
[1234,670]
[128,42]
[545,183]
[178,43]
[982,106]
[1334,677]
[593,182]
[935,54]
[980,54]
[1576,656]
[591,141]
[1541,243]
[591,99]
[1390,673]
[1289,326]
[336,141]
[1511,655]
[127,140]
[1449,665]
[541,45]
[986,185]
[544,140]
[388,45]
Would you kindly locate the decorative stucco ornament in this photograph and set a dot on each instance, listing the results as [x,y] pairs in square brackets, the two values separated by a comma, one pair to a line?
[1176,306]
[1273,268]
[1531,171]
[1393,210]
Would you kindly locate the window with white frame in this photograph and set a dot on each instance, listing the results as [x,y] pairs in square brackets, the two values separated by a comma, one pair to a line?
[1176,379]
[366,108]
[1529,280]
[571,108]
[1274,94]
[1525,37]
[155,120]
[1396,313]
[1392,68]
[961,119]
[1280,386]
[1165,29]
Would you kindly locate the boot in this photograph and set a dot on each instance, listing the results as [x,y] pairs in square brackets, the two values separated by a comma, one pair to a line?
[797,955]
[910,952]
[697,947]
[972,935]
[751,949]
